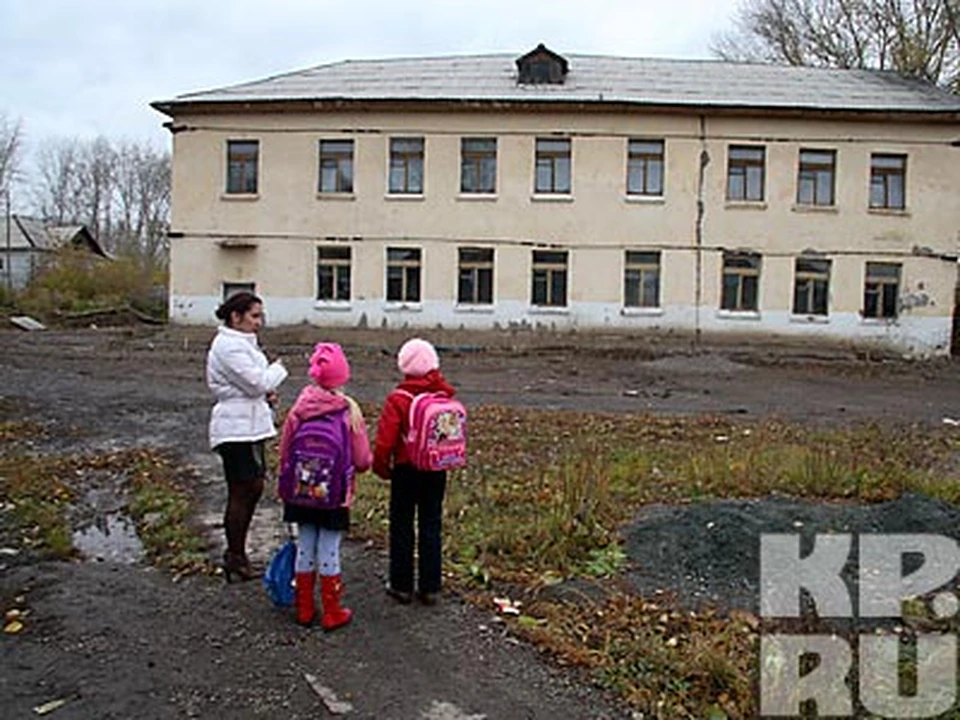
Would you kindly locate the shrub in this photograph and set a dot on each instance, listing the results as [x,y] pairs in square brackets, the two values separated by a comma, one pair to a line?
[74,281]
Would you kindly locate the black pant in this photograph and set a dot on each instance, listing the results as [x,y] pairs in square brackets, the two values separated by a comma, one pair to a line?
[417,492]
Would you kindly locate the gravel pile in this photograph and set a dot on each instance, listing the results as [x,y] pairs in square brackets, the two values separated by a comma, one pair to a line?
[708,553]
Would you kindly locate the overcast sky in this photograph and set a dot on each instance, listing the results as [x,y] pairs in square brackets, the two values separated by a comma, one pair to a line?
[88,67]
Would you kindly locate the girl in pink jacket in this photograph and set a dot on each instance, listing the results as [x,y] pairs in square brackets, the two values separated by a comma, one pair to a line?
[320,532]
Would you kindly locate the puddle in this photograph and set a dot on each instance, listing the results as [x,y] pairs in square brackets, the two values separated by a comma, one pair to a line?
[112,538]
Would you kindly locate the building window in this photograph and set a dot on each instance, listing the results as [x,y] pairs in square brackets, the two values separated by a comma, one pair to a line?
[403,274]
[553,166]
[541,65]
[816,178]
[888,180]
[478,165]
[549,286]
[406,165]
[645,167]
[641,279]
[336,166]
[475,284]
[741,282]
[232,288]
[333,273]
[881,289]
[811,286]
[745,173]
[242,160]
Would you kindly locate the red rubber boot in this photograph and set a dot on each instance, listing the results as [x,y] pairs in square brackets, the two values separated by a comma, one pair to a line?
[306,583]
[331,590]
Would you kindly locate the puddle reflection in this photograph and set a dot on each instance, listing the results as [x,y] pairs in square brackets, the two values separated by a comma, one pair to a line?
[112,538]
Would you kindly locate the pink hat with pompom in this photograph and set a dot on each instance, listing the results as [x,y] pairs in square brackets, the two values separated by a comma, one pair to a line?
[328,366]
[417,357]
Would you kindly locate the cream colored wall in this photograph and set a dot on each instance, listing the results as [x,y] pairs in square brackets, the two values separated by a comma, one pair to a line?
[288,203]
[289,218]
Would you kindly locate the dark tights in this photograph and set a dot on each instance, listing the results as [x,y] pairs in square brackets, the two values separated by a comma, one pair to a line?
[242,498]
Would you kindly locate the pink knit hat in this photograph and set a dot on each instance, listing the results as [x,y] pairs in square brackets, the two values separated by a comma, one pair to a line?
[328,366]
[417,357]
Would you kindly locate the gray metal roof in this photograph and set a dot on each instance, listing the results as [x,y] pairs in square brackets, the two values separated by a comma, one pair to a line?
[593,78]
[32,232]
[29,232]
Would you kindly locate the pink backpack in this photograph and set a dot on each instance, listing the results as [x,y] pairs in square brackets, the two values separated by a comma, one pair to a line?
[437,435]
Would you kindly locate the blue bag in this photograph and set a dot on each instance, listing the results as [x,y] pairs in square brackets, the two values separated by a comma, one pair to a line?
[278,579]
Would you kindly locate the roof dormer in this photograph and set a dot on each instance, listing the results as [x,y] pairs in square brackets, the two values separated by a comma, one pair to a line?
[541,66]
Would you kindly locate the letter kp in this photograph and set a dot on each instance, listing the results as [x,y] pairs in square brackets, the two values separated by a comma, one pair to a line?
[785,678]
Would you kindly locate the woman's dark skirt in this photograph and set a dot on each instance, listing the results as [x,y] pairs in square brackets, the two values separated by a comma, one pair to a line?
[243,462]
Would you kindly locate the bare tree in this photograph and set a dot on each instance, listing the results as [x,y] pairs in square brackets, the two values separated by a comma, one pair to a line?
[121,192]
[57,183]
[98,161]
[11,142]
[155,205]
[917,38]
[143,199]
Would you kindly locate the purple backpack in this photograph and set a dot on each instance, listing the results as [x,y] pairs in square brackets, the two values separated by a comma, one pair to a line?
[319,469]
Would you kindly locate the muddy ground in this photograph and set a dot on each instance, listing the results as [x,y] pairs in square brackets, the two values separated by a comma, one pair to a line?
[117,639]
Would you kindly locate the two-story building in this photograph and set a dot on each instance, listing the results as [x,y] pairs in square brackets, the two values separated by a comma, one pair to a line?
[573,192]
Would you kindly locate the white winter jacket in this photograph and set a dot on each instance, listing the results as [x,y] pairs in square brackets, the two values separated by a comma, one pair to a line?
[239,377]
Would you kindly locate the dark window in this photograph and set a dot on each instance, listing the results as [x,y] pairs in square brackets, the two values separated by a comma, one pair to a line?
[741,281]
[888,179]
[553,166]
[232,288]
[549,284]
[333,273]
[406,165]
[475,283]
[641,279]
[538,72]
[645,167]
[242,158]
[478,165]
[745,173]
[336,166]
[816,179]
[881,290]
[403,274]
[811,287]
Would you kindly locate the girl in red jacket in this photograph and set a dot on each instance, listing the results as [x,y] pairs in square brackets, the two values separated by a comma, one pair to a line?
[412,492]
[319,532]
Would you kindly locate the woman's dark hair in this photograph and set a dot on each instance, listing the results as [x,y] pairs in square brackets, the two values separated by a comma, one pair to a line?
[237,303]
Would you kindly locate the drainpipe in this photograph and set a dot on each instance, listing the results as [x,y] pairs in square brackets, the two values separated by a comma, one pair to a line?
[701,190]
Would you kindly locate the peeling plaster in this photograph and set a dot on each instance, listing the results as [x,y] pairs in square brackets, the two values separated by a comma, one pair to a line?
[919,299]
[914,334]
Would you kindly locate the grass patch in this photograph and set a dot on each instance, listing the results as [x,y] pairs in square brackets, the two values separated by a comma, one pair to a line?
[163,511]
[673,664]
[43,491]
[35,490]
[545,493]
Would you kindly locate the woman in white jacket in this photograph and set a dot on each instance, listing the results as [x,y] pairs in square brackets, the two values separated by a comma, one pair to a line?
[244,384]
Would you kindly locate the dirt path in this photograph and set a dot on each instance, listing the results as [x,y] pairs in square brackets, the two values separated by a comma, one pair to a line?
[122,640]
